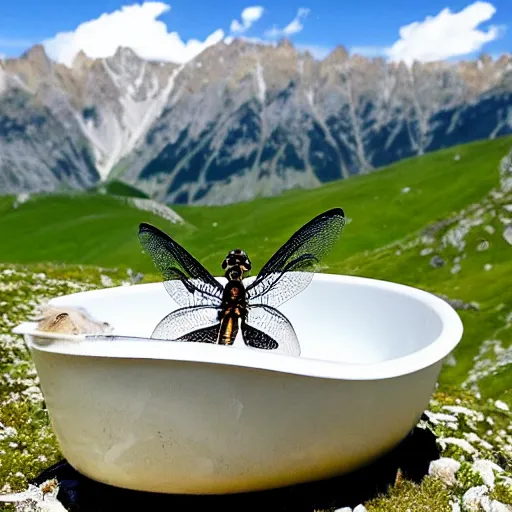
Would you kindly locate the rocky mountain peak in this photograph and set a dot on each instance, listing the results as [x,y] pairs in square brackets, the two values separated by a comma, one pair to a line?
[36,60]
[240,116]
[81,62]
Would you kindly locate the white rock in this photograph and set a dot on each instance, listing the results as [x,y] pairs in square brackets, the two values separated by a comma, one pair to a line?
[457,409]
[490,229]
[406,190]
[476,499]
[461,443]
[487,267]
[444,469]
[473,438]
[501,405]
[455,506]
[344,509]
[426,251]
[482,246]
[486,468]
[106,281]
[456,268]
[507,234]
[439,417]
[360,508]
[497,506]
[508,207]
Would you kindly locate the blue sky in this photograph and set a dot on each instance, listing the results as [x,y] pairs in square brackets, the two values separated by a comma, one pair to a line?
[367,26]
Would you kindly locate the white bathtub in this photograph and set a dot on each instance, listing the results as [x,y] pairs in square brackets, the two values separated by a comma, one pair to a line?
[206,419]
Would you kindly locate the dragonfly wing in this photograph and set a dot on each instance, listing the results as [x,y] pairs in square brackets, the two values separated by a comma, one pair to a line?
[290,270]
[185,279]
[194,323]
[266,328]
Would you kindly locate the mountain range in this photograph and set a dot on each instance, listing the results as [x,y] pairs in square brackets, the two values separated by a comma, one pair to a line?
[238,121]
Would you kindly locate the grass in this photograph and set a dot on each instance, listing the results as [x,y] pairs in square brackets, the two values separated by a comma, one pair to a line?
[82,229]
[101,230]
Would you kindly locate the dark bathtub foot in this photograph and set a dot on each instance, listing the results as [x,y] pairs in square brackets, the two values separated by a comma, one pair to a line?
[412,457]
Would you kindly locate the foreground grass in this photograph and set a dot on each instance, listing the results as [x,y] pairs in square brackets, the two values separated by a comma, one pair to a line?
[28,445]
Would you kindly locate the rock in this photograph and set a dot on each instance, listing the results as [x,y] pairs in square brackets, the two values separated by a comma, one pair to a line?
[456,268]
[486,468]
[487,266]
[476,499]
[106,281]
[135,278]
[490,230]
[482,246]
[506,173]
[456,157]
[497,506]
[461,443]
[406,190]
[444,469]
[434,228]
[20,199]
[455,506]
[450,360]
[508,207]
[458,303]
[437,262]
[360,508]
[344,509]
[427,239]
[501,405]
[426,251]
[507,234]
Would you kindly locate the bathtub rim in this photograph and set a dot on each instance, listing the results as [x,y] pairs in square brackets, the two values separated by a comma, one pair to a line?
[433,353]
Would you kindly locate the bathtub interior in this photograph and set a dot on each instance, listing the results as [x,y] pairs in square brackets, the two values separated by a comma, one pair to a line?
[354,321]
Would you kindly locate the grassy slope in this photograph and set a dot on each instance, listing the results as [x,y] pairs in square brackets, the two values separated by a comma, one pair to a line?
[89,229]
[100,230]
[380,213]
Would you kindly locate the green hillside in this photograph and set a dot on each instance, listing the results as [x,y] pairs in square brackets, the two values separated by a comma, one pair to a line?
[90,229]
[101,230]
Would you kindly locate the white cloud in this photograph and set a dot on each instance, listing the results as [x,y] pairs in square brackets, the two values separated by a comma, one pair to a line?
[135,26]
[294,27]
[249,16]
[445,35]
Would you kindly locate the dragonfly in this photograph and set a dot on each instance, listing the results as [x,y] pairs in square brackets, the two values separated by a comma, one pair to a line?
[211,312]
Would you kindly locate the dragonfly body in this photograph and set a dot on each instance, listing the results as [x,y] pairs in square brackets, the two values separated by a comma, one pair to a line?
[234,298]
[212,313]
